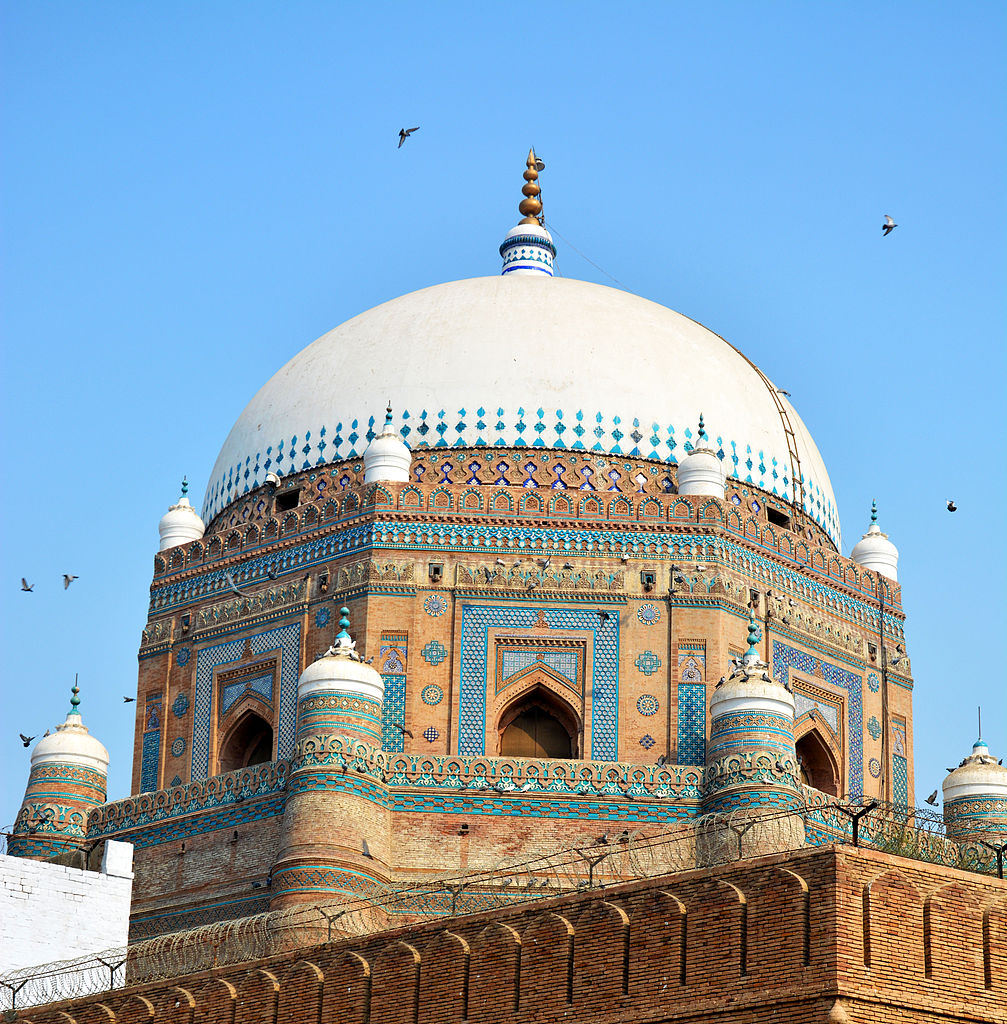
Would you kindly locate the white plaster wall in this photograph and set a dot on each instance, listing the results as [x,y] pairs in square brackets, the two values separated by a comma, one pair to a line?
[49,912]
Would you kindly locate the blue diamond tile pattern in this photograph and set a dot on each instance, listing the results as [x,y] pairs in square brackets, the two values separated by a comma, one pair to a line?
[434,652]
[233,692]
[900,781]
[566,663]
[477,620]
[647,741]
[647,662]
[785,658]
[286,640]
[430,734]
[691,723]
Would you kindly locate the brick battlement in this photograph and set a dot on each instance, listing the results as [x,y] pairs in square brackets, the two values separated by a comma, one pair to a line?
[832,934]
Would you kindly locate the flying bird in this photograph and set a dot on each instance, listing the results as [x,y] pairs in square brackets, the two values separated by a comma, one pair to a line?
[128,700]
[932,799]
[402,729]
[780,391]
[25,740]
[886,229]
[234,586]
[952,507]
[662,760]
[26,586]
[67,580]
[544,562]
[365,849]
[404,134]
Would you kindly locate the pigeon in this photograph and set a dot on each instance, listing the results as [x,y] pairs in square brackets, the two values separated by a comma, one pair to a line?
[500,561]
[67,580]
[662,760]
[624,559]
[886,229]
[271,572]
[949,769]
[128,700]
[932,799]
[25,740]
[952,507]
[604,616]
[26,586]
[628,795]
[780,391]
[602,840]
[365,849]
[781,767]
[234,586]
[568,565]
[532,584]
[544,562]
[402,729]
[404,134]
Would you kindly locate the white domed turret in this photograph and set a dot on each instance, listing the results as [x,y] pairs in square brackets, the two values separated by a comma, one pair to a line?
[975,797]
[387,456]
[875,551]
[528,247]
[181,523]
[68,779]
[701,472]
[340,669]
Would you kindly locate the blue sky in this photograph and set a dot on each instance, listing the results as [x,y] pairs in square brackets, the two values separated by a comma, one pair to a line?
[193,192]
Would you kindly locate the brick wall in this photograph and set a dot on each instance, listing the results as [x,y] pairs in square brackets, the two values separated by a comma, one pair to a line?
[830,934]
[52,912]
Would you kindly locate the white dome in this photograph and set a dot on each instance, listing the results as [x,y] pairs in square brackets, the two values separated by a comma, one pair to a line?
[522,360]
[71,743]
[978,775]
[338,672]
[180,524]
[875,551]
[387,456]
[701,472]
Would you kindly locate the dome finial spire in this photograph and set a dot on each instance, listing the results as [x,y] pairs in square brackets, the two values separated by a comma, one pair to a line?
[185,486]
[388,415]
[75,699]
[531,205]
[874,511]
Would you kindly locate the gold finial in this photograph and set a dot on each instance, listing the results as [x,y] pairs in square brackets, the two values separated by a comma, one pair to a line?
[531,205]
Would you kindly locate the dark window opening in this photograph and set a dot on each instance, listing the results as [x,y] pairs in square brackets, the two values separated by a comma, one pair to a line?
[249,742]
[535,733]
[288,500]
[777,518]
[818,766]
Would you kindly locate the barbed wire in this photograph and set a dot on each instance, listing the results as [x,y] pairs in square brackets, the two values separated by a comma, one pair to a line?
[613,856]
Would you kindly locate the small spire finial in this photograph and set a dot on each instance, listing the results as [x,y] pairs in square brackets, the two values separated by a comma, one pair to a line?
[344,624]
[388,414]
[702,428]
[185,486]
[75,700]
[874,512]
[531,206]
[753,639]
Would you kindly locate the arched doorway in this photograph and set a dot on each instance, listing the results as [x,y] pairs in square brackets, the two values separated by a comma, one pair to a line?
[818,766]
[538,726]
[250,741]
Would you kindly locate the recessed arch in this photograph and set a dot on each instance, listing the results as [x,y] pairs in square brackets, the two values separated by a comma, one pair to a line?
[249,741]
[818,764]
[538,724]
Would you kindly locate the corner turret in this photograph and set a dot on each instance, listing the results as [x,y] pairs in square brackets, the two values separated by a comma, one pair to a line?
[875,551]
[975,798]
[701,472]
[335,814]
[68,779]
[181,523]
[387,457]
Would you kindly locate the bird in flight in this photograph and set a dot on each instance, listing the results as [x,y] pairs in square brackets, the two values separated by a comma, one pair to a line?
[26,586]
[886,229]
[402,729]
[404,134]
[234,586]
[952,507]
[128,700]
[932,799]
[25,740]
[67,580]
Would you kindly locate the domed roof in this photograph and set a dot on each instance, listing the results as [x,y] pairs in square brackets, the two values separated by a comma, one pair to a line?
[71,743]
[516,361]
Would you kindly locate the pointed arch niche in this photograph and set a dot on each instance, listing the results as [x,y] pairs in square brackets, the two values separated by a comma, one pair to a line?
[819,766]
[538,723]
[249,741]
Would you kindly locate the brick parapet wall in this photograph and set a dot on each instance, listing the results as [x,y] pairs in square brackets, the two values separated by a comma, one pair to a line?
[778,938]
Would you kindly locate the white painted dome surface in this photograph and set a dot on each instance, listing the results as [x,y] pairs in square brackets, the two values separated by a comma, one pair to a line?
[179,525]
[515,361]
[71,743]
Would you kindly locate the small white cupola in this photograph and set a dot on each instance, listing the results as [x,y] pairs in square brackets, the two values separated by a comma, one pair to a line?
[181,523]
[528,247]
[387,457]
[875,551]
[71,743]
[701,472]
[341,669]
